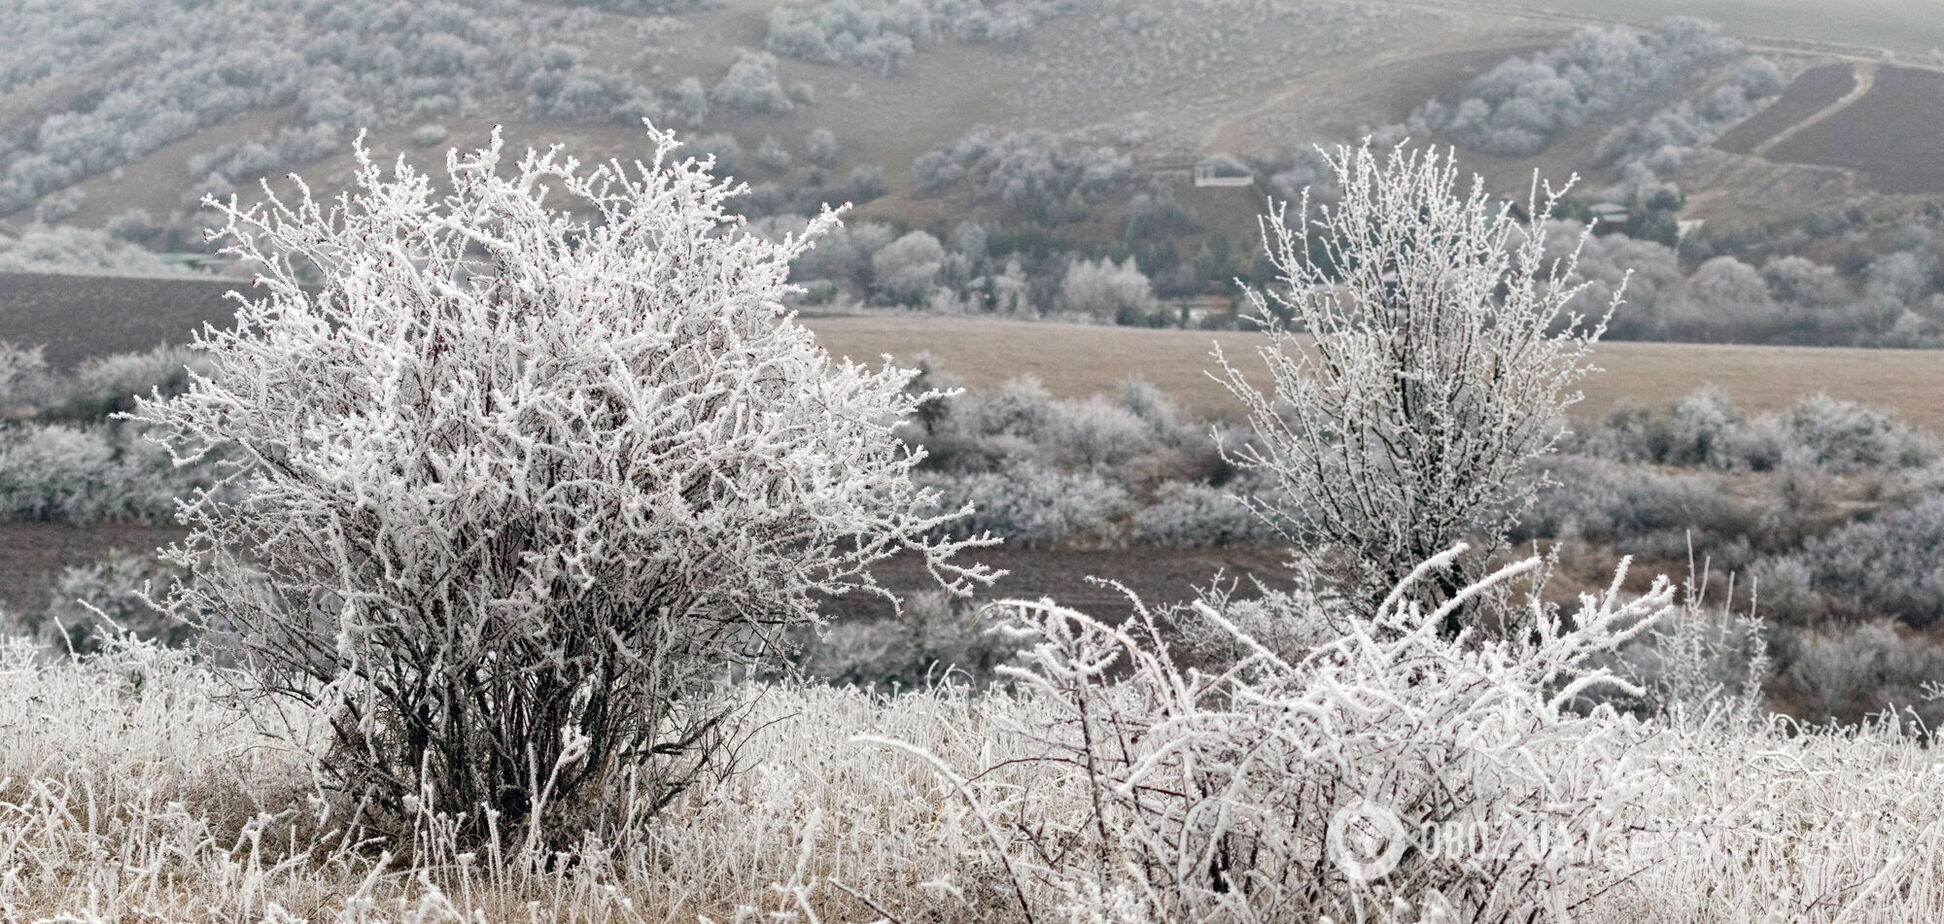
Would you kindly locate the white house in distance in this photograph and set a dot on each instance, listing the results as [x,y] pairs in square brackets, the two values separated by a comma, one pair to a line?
[1222,170]
[1609,214]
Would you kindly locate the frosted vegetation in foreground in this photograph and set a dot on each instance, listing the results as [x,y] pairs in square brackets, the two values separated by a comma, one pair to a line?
[638,469]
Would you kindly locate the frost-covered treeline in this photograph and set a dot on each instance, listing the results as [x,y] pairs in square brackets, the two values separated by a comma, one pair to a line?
[1891,295]
[327,69]
[1032,171]
[979,269]
[882,34]
[1636,81]
[64,249]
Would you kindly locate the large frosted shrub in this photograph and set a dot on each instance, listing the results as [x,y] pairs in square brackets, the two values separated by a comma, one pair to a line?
[1421,354]
[515,486]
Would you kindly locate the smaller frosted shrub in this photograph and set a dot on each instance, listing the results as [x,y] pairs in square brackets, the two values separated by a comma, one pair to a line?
[1886,566]
[1027,503]
[115,586]
[1650,511]
[977,431]
[1201,514]
[1097,434]
[1702,429]
[54,472]
[23,379]
[1851,672]
[109,385]
[1843,436]
[69,473]
[936,637]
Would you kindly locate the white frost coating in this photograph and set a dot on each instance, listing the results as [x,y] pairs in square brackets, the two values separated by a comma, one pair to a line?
[1421,353]
[507,472]
[1164,790]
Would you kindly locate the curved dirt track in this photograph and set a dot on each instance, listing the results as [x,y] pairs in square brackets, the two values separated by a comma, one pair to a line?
[1864,82]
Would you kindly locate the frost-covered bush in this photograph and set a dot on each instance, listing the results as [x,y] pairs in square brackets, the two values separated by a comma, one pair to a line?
[882,35]
[1133,436]
[108,385]
[977,429]
[1706,428]
[1885,566]
[569,471]
[1518,107]
[24,378]
[772,155]
[1438,351]
[1164,793]
[132,225]
[1027,503]
[1640,509]
[751,85]
[1032,171]
[820,147]
[428,135]
[1193,514]
[1106,291]
[866,183]
[93,602]
[1098,435]
[57,473]
[937,638]
[722,146]
[906,269]
[82,473]
[65,249]
[1850,672]
[1843,436]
